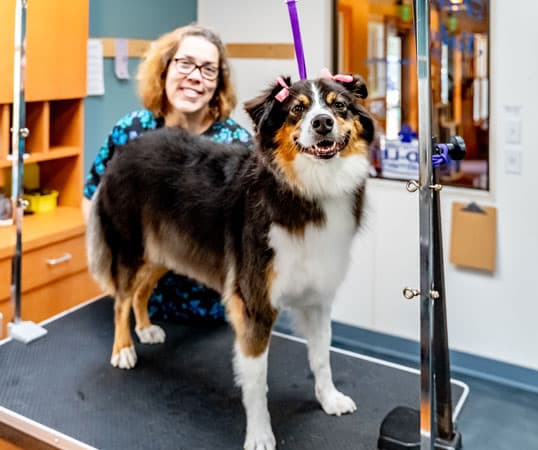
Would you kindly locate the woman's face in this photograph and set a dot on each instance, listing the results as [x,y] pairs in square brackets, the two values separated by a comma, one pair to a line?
[190,93]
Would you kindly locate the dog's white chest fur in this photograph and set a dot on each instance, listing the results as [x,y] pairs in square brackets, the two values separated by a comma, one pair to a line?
[310,267]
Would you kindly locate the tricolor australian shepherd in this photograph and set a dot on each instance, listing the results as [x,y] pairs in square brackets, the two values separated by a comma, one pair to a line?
[270,229]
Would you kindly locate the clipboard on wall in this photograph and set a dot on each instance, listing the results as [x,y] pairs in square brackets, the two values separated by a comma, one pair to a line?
[473,236]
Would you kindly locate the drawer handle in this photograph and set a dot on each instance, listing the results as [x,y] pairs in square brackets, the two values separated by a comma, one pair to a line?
[61,259]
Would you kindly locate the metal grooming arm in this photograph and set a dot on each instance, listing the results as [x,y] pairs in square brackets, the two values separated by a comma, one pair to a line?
[24,331]
[432,427]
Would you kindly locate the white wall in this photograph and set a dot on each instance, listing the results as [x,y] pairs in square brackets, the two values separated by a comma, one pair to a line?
[267,21]
[490,315]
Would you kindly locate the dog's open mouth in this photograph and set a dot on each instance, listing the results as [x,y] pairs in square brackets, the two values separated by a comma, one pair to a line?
[326,148]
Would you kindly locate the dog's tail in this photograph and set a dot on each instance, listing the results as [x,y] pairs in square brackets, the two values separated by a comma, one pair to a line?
[98,251]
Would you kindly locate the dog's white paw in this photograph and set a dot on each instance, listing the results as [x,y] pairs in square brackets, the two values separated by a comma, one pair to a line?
[260,441]
[153,334]
[125,359]
[335,403]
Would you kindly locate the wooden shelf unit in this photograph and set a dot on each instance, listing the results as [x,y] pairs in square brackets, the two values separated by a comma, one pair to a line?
[55,87]
[55,143]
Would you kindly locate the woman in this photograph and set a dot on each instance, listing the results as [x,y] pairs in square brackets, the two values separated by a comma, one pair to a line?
[184,80]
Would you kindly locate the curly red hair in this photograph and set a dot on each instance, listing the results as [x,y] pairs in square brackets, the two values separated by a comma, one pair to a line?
[152,72]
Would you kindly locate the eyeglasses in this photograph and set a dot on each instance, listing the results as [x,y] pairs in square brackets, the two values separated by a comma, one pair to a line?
[186,67]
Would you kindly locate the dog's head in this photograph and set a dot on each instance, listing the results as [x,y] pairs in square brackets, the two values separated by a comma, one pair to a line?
[315,132]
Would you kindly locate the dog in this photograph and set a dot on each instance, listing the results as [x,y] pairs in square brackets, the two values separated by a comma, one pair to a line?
[270,229]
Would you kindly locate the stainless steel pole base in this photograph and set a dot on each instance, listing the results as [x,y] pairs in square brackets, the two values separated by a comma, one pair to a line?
[25,331]
[400,431]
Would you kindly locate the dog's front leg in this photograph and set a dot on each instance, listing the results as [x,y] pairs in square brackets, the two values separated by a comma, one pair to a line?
[250,364]
[251,375]
[314,323]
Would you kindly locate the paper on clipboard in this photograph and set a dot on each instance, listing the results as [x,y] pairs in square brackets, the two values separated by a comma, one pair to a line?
[473,236]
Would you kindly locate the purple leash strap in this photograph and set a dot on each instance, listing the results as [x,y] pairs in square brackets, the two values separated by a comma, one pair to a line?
[299,54]
[440,158]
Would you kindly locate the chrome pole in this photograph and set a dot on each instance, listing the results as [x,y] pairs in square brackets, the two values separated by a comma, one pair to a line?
[18,134]
[427,393]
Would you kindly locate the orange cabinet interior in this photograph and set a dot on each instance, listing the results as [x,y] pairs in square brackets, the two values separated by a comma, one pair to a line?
[55,87]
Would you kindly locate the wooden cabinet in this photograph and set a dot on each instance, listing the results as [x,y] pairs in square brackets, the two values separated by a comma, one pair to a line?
[7,32]
[56,40]
[55,87]
[54,270]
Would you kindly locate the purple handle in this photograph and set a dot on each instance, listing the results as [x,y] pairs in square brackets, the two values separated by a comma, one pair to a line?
[299,54]
[440,158]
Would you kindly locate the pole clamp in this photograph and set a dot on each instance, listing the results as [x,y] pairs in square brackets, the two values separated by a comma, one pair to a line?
[410,293]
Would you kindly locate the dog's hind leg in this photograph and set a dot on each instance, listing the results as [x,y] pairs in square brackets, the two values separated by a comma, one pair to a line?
[146,279]
[123,351]
[253,332]
[314,323]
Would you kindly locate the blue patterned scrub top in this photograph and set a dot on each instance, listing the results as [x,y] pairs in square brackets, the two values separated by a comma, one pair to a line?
[175,297]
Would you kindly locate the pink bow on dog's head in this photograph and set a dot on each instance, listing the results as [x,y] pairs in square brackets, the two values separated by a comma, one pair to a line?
[325,73]
[284,92]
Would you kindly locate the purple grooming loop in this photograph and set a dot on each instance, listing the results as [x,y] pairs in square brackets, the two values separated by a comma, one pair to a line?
[299,53]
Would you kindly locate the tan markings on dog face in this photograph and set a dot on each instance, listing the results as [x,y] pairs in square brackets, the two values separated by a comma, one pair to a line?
[331,97]
[252,330]
[357,145]
[301,98]
[287,151]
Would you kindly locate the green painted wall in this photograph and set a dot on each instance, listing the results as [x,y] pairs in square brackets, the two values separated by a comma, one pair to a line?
[134,19]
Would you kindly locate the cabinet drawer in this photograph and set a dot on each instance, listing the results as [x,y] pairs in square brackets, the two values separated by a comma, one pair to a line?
[46,264]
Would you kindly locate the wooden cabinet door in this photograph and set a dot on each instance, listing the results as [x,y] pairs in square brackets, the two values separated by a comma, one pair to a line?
[7,40]
[57,33]
[56,36]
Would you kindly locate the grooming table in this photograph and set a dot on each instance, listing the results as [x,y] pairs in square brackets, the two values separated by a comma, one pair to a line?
[181,394]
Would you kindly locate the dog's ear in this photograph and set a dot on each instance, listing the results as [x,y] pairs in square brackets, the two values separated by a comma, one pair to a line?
[357,87]
[258,107]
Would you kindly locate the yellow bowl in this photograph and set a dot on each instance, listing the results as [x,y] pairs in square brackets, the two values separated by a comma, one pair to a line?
[41,202]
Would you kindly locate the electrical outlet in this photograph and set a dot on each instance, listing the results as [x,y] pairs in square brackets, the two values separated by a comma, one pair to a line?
[513,161]
[512,131]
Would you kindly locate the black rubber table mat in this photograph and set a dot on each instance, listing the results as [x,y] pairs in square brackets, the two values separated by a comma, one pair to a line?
[181,394]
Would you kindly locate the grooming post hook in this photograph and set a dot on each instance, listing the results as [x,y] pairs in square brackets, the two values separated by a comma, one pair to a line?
[410,294]
[412,186]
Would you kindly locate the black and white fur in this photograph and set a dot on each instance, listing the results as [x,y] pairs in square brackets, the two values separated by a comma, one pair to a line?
[269,229]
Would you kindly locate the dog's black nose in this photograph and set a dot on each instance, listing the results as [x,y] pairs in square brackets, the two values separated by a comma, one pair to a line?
[322,124]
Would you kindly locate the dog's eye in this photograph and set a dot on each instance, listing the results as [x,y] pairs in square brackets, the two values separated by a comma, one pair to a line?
[298,109]
[339,106]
